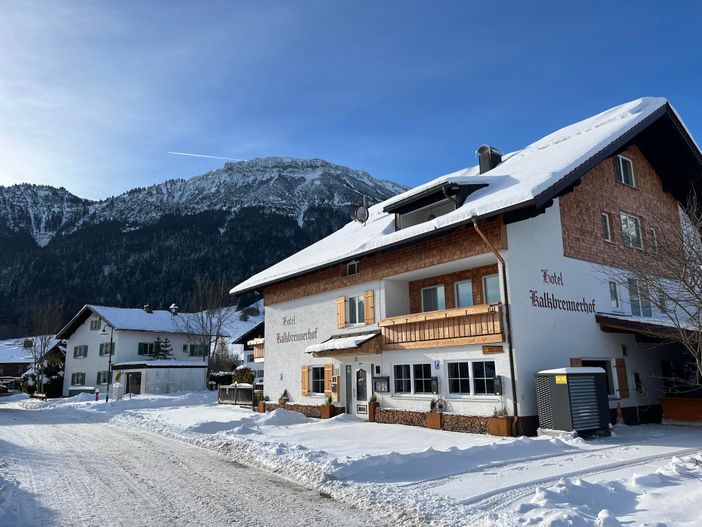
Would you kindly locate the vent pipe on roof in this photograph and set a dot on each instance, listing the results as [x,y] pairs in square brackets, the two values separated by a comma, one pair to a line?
[173,309]
[489,157]
[148,308]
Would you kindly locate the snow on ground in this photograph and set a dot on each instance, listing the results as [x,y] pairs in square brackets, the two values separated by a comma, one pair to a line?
[418,476]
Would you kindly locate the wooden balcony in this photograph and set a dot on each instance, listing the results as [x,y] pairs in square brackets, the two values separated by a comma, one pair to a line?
[481,324]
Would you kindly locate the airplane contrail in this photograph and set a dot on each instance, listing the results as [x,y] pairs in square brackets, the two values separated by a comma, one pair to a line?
[205,155]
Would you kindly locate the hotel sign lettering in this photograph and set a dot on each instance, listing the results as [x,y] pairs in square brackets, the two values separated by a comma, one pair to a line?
[546,300]
[288,336]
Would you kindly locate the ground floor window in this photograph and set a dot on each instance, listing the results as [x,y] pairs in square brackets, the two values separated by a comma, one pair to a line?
[412,378]
[403,381]
[422,378]
[78,379]
[606,365]
[471,378]
[102,377]
[317,379]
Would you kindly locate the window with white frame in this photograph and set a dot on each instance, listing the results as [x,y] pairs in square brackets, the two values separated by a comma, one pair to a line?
[654,240]
[422,378]
[78,379]
[317,384]
[102,377]
[352,268]
[107,348]
[638,298]
[80,352]
[145,348]
[471,378]
[625,171]
[606,229]
[484,377]
[433,298]
[95,324]
[403,379]
[491,288]
[613,294]
[355,311]
[464,293]
[606,365]
[631,230]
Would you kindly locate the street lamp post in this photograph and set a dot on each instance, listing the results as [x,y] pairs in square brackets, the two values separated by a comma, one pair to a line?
[103,333]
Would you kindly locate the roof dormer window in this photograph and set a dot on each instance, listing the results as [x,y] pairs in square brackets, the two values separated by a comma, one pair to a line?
[425,214]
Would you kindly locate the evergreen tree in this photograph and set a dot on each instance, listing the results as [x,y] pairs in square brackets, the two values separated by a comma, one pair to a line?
[162,348]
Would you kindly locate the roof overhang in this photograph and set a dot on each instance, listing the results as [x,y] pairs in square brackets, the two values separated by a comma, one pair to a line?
[68,330]
[622,324]
[366,343]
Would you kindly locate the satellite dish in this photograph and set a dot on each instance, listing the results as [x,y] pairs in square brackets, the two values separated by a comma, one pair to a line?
[361,215]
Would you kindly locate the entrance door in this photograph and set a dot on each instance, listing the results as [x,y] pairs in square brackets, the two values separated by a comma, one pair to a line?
[134,383]
[360,383]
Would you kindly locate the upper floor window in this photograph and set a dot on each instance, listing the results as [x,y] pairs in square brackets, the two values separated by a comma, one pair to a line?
[639,299]
[353,268]
[491,287]
[355,310]
[194,350]
[631,229]
[433,298]
[464,294]
[625,170]
[107,348]
[80,352]
[95,324]
[145,348]
[606,229]
[613,294]
[426,213]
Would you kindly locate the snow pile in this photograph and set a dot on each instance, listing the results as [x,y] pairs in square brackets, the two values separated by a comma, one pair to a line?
[663,497]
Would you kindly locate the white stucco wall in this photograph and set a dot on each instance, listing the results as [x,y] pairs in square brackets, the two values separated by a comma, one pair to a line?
[548,338]
[126,349]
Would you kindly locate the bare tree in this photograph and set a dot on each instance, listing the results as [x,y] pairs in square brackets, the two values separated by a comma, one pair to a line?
[46,321]
[666,274]
[205,326]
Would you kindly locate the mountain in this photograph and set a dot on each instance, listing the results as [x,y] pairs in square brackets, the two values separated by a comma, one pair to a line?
[148,244]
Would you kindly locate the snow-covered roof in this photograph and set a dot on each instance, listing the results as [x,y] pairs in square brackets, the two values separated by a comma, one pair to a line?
[157,321]
[571,370]
[523,178]
[341,343]
[235,327]
[13,352]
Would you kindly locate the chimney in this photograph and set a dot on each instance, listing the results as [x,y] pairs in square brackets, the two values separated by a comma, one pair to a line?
[173,309]
[148,308]
[489,157]
[28,343]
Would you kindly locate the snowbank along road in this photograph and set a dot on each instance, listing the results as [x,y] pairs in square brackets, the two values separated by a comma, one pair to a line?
[55,471]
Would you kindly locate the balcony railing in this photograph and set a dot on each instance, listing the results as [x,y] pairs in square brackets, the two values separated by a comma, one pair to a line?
[479,324]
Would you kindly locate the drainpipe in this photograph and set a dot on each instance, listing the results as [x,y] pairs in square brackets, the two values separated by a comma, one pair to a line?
[508,323]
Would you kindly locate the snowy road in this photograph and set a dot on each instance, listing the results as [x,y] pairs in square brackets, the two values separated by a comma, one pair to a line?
[59,471]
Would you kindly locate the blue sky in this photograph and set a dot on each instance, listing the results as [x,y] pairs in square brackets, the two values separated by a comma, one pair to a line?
[93,95]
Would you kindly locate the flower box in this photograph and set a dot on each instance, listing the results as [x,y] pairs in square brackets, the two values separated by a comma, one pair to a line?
[500,426]
[433,420]
[327,411]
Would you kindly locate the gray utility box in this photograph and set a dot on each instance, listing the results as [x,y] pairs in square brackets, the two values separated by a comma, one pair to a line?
[573,400]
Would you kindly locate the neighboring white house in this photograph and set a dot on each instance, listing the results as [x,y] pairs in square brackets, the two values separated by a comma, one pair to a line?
[15,357]
[465,287]
[134,333]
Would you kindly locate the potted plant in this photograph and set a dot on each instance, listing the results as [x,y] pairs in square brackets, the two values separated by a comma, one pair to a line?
[433,417]
[500,424]
[373,406]
[283,399]
[327,410]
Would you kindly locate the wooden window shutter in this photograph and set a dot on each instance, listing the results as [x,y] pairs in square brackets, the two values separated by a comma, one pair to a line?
[341,312]
[305,381]
[622,381]
[328,373]
[369,307]
[576,362]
